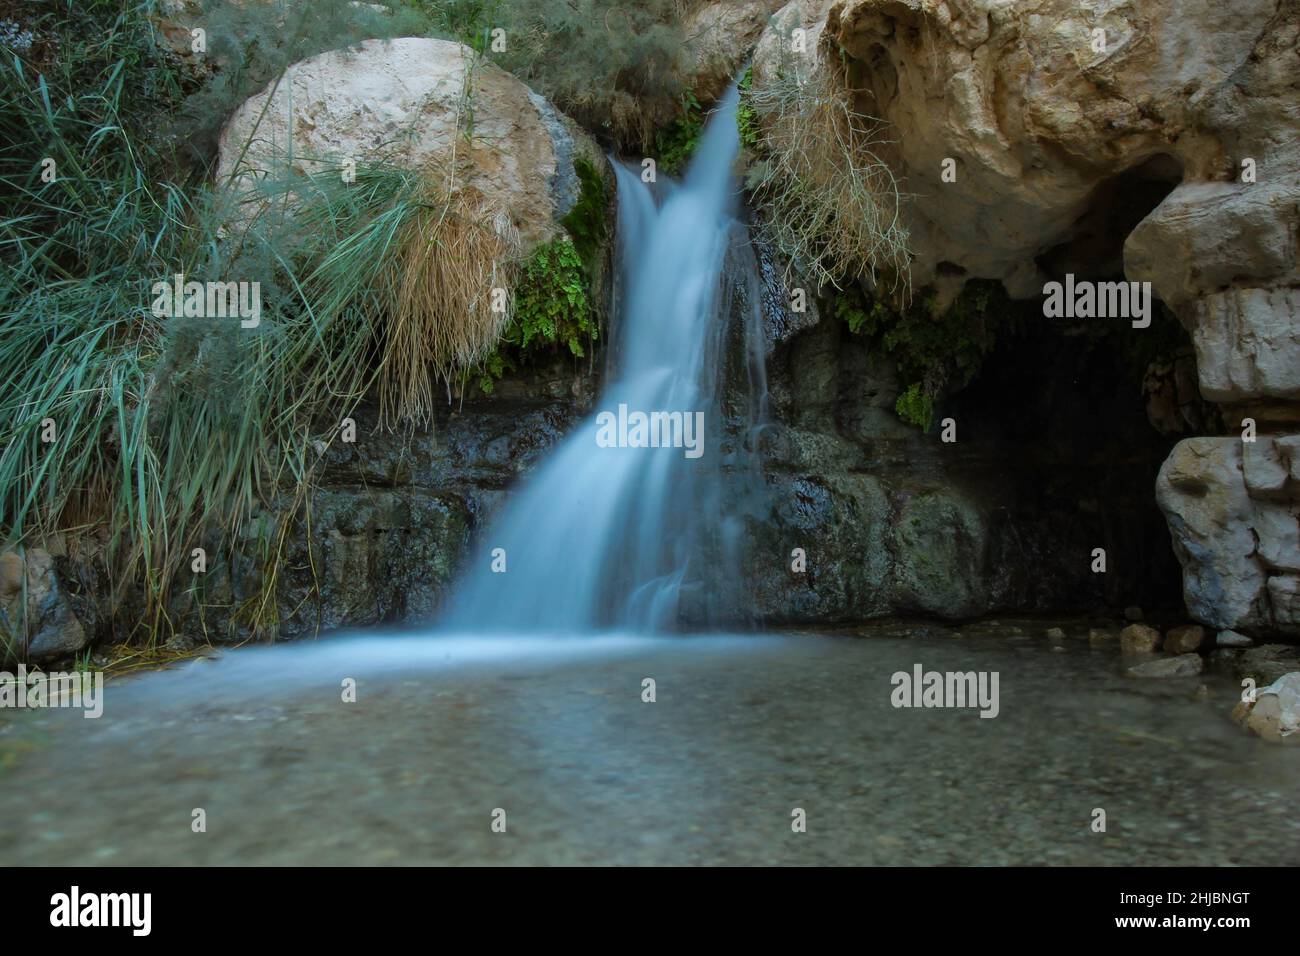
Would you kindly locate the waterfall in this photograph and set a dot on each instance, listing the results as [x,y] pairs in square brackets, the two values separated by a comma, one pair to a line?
[611,531]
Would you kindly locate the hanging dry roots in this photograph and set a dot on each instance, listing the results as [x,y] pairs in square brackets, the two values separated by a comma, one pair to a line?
[833,201]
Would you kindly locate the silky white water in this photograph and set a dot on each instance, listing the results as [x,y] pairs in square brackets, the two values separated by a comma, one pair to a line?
[608,532]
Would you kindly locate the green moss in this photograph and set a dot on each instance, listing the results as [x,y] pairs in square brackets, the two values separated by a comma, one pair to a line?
[915,407]
[585,222]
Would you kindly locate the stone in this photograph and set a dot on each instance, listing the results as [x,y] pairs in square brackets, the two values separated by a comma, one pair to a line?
[44,627]
[1274,714]
[1139,639]
[1182,665]
[1098,636]
[1206,236]
[1248,343]
[1263,467]
[1284,594]
[940,540]
[1202,492]
[1133,614]
[1233,639]
[720,37]
[1185,639]
[408,95]
[1055,634]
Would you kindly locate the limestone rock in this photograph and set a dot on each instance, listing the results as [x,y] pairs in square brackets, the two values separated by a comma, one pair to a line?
[1139,639]
[406,99]
[1275,712]
[1034,115]
[1248,343]
[1202,492]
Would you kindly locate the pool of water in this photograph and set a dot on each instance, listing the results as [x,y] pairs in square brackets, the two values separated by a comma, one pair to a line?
[444,731]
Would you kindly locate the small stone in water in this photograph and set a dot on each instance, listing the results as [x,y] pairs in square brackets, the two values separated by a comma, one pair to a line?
[1139,639]
[1233,639]
[1184,665]
[1183,640]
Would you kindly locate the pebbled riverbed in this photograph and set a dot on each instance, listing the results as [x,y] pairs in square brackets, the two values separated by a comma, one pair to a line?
[446,730]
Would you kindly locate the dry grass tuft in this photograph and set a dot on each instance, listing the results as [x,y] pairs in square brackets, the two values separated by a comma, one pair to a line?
[833,200]
[450,257]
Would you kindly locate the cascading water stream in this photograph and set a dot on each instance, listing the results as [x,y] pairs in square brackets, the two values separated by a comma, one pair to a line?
[636,537]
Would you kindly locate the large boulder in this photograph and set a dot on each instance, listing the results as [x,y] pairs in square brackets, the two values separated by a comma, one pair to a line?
[1234,513]
[1274,711]
[424,103]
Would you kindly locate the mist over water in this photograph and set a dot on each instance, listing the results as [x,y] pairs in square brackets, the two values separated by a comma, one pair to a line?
[606,537]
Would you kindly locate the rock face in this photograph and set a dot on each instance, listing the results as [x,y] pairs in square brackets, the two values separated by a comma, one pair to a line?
[1099,138]
[388,525]
[408,100]
[37,622]
[1041,113]
[895,522]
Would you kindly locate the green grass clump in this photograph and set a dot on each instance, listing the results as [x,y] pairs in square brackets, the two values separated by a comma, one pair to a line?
[173,433]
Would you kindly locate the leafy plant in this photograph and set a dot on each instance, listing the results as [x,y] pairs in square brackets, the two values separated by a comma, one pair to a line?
[552,309]
[916,407]
[676,143]
[585,222]
[551,302]
[935,350]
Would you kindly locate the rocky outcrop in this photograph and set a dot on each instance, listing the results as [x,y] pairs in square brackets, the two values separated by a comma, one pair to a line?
[888,521]
[388,521]
[426,104]
[1086,138]
[1038,114]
